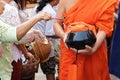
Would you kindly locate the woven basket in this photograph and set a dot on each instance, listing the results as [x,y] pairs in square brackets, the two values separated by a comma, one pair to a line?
[33,1]
[42,50]
[41,47]
[29,69]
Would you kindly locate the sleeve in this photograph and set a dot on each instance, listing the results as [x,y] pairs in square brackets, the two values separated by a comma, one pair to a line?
[33,12]
[10,15]
[106,21]
[23,15]
[49,31]
[7,33]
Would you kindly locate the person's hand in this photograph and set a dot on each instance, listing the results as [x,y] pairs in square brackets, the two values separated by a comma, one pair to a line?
[30,57]
[38,32]
[2,4]
[42,37]
[65,37]
[43,16]
[87,51]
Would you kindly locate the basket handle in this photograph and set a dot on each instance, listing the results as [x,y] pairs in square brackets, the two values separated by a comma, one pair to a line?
[41,38]
[40,35]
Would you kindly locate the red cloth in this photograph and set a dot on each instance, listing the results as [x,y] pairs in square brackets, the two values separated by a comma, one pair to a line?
[17,68]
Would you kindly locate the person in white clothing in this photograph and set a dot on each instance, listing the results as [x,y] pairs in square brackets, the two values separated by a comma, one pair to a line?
[46,27]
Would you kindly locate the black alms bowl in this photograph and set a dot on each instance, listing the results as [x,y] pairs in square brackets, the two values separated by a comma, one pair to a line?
[78,40]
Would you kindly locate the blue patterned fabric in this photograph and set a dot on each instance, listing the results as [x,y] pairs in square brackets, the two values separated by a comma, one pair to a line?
[114,64]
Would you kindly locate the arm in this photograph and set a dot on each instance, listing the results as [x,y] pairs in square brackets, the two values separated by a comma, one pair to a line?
[23,28]
[12,34]
[58,24]
[26,53]
[26,26]
[13,19]
[105,26]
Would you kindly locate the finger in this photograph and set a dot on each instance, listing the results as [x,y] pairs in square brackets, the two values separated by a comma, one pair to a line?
[88,47]
[68,31]
[73,49]
[82,51]
[66,46]
[33,58]
[87,50]
[48,15]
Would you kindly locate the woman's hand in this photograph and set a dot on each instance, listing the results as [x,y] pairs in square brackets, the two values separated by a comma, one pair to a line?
[30,57]
[42,37]
[38,33]
[43,16]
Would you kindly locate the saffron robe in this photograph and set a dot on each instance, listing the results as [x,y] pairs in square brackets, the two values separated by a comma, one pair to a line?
[95,66]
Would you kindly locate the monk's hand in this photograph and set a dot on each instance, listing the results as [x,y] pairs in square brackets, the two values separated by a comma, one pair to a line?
[43,16]
[65,37]
[87,51]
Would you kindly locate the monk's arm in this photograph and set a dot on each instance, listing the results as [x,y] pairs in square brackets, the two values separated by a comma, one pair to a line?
[58,24]
[105,27]
[58,30]
[101,36]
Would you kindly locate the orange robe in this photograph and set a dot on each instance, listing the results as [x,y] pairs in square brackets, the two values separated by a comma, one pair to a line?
[89,67]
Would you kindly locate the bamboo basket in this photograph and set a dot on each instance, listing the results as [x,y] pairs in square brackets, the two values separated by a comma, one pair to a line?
[29,69]
[42,50]
[41,47]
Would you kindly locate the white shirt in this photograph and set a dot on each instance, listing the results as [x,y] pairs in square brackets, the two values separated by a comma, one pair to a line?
[46,27]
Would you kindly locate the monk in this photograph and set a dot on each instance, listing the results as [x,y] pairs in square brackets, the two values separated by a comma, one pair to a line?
[92,62]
